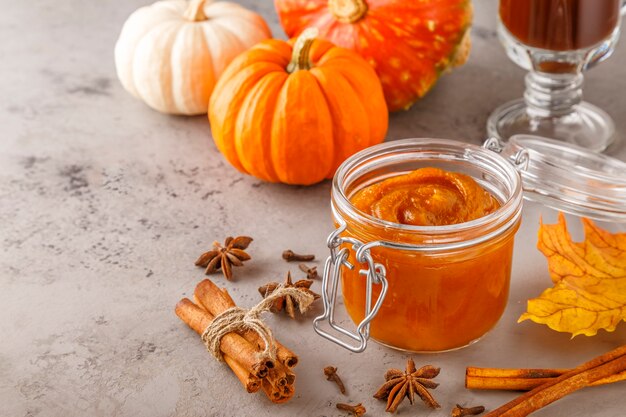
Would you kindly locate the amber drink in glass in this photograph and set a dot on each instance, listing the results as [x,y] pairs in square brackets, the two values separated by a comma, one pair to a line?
[556,40]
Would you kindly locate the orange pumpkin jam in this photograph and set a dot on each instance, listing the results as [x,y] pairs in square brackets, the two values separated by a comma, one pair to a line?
[426,197]
[436,300]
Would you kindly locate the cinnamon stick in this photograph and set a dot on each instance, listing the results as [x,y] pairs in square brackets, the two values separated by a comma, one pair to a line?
[283,354]
[521,379]
[232,344]
[216,300]
[607,365]
[514,373]
[278,386]
[273,392]
[196,318]
[249,381]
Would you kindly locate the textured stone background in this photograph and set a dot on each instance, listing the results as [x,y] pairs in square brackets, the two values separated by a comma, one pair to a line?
[104,205]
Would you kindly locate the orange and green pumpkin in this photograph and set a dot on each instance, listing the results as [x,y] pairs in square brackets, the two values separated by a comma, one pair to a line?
[410,43]
[293,114]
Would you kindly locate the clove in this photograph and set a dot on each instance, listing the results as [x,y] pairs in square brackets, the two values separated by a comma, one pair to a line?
[291,256]
[460,411]
[311,272]
[331,375]
[357,410]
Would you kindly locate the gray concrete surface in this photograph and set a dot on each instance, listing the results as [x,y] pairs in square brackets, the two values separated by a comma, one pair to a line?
[105,204]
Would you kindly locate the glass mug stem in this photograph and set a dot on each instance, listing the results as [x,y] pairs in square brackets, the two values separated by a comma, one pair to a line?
[552,95]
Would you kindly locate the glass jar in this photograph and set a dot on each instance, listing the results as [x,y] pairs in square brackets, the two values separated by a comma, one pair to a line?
[420,288]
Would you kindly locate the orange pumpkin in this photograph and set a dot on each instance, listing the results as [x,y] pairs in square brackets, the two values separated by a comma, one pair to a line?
[293,114]
[410,43]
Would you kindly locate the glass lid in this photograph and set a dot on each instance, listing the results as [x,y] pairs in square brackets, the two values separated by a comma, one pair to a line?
[567,177]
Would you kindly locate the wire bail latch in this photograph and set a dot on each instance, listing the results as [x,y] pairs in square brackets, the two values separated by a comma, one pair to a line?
[374,274]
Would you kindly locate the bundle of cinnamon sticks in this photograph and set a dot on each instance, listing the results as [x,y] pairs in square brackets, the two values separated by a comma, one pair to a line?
[241,352]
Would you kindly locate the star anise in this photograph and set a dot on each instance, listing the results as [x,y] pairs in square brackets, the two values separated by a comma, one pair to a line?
[406,384]
[225,257]
[287,302]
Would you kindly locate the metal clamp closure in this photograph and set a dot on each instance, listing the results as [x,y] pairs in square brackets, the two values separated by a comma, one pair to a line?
[374,274]
[493,144]
[520,159]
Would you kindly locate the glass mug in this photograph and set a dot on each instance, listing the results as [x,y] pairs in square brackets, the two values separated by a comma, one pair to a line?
[556,40]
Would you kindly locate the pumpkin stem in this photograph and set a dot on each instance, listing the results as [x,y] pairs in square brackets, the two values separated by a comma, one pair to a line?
[301,49]
[195,11]
[347,11]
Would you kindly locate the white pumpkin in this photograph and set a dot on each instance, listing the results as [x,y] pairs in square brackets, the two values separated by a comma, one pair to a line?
[171,53]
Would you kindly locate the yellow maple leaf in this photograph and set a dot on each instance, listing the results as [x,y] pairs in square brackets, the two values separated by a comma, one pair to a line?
[589,278]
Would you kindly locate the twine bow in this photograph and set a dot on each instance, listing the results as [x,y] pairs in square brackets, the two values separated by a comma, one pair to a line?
[239,320]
